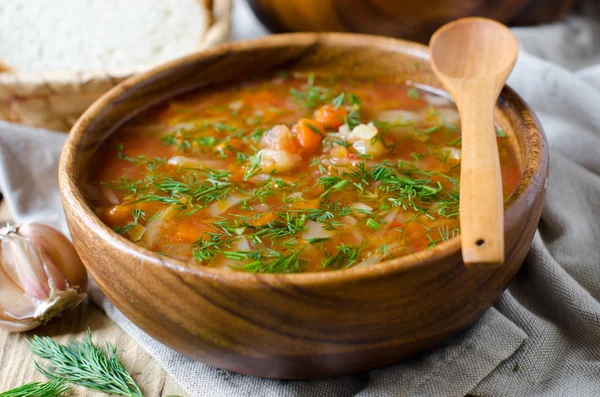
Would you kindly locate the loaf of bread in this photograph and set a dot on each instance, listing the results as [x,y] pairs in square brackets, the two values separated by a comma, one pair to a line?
[76,35]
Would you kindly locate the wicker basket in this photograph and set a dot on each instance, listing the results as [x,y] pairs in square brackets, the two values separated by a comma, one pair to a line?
[56,100]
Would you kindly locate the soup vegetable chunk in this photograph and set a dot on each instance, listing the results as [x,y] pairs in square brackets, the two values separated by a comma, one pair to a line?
[294,173]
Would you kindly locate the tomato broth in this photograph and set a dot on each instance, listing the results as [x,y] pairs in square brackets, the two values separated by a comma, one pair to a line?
[292,173]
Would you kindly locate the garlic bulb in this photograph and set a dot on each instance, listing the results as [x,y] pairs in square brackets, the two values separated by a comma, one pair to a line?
[40,276]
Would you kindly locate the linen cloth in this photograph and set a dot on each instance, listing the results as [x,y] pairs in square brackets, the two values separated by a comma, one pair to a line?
[541,339]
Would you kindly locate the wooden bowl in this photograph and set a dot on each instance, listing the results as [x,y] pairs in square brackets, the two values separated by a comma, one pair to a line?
[407,19]
[300,325]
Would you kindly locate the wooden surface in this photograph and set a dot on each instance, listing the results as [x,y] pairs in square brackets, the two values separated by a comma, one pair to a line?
[473,57]
[297,326]
[16,362]
[411,20]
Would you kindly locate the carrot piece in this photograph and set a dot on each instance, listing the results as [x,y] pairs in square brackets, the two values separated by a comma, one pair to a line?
[264,219]
[330,117]
[192,232]
[309,134]
[299,204]
[119,214]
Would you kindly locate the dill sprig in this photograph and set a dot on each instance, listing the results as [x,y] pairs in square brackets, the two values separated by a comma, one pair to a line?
[53,388]
[346,256]
[83,363]
[269,261]
[313,94]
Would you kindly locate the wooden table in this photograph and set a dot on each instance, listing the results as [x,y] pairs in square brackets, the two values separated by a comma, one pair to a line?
[16,362]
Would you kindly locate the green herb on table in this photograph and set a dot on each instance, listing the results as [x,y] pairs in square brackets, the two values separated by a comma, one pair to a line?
[53,388]
[500,133]
[516,367]
[84,364]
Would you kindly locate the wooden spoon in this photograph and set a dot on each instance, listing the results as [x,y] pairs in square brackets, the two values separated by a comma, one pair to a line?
[473,58]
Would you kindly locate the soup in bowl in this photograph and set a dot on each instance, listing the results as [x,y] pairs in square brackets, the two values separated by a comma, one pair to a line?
[288,207]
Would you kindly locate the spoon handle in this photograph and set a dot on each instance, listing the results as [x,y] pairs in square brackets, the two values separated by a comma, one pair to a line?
[481,202]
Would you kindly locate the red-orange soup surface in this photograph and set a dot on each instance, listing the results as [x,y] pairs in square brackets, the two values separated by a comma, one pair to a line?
[288,174]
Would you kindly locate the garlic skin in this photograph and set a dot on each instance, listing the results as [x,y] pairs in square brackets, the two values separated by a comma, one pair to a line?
[40,276]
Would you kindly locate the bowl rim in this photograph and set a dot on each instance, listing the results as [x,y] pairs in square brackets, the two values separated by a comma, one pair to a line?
[72,195]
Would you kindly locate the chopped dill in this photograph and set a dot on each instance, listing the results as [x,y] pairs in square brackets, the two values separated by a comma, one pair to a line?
[313,95]
[253,168]
[346,256]
[413,93]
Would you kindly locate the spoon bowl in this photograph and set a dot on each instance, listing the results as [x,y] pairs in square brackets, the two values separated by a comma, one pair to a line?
[473,57]
[472,48]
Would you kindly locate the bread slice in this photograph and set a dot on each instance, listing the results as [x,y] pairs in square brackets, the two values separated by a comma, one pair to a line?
[77,35]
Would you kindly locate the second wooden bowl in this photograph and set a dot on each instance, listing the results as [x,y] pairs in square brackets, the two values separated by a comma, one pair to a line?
[299,325]
[406,19]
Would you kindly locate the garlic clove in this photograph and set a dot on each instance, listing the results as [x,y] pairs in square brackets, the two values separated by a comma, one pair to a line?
[14,305]
[40,276]
[60,251]
[32,278]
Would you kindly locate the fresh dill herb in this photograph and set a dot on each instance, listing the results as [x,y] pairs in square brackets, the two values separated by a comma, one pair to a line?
[137,214]
[413,93]
[418,157]
[241,157]
[254,120]
[346,256]
[53,388]
[288,224]
[431,129]
[221,127]
[338,101]
[352,119]
[372,224]
[385,250]
[446,234]
[188,190]
[257,133]
[253,168]
[269,261]
[455,142]
[318,240]
[385,125]
[155,216]
[83,363]
[432,242]
[354,101]
[516,367]
[151,164]
[206,250]
[449,207]
[313,95]
[450,126]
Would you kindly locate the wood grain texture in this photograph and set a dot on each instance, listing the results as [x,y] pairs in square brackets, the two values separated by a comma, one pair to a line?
[303,325]
[473,57]
[16,362]
[411,20]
